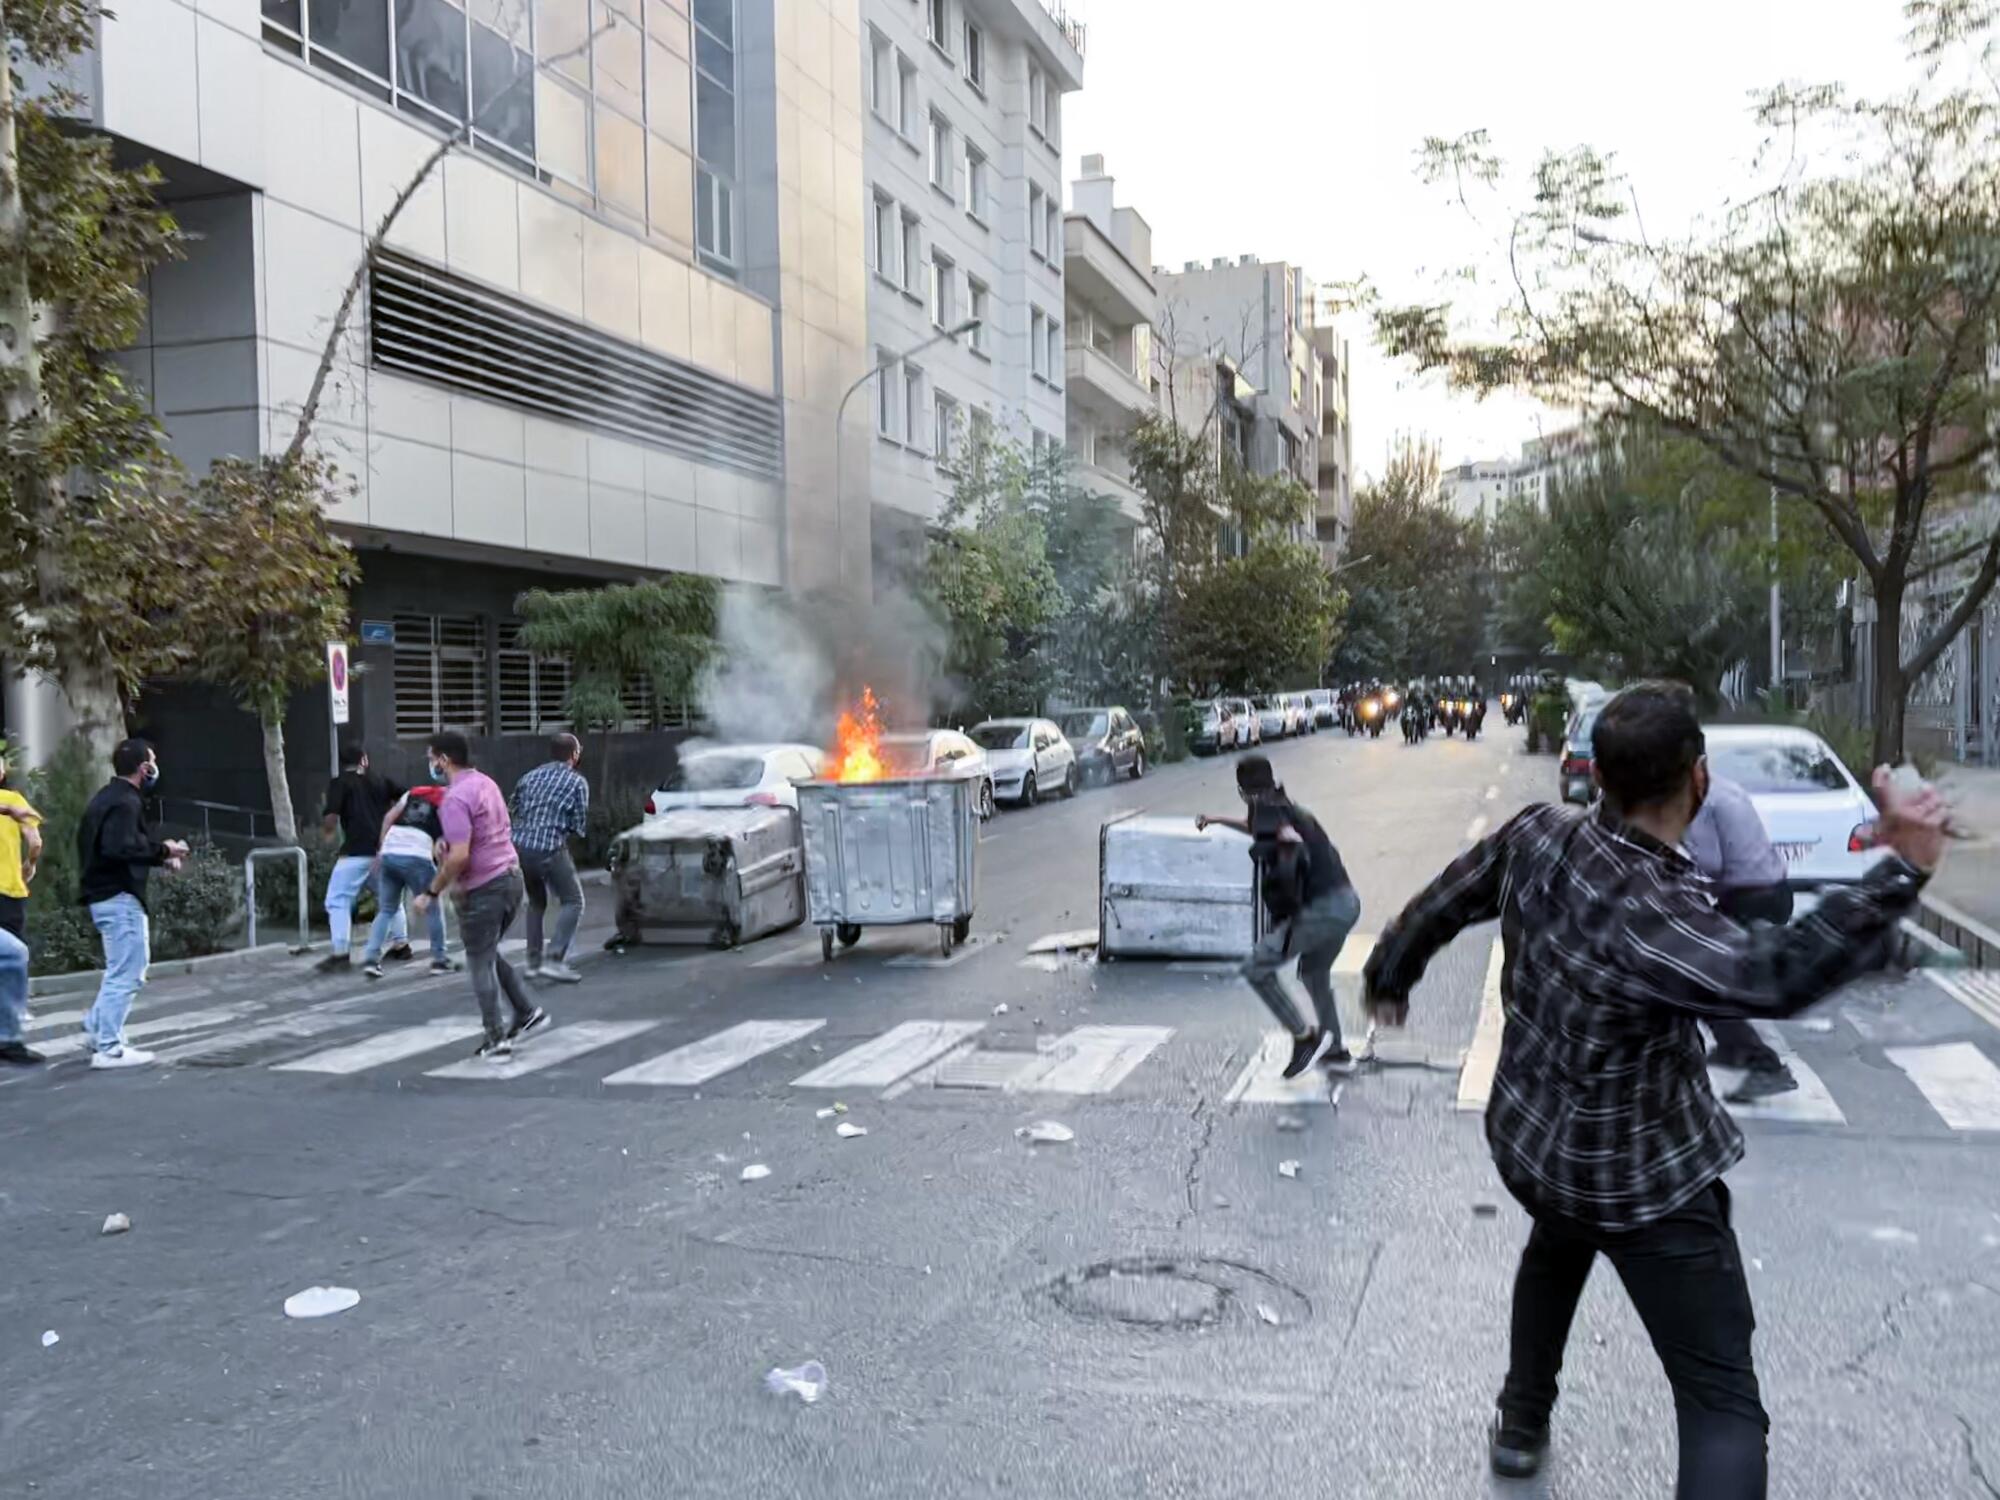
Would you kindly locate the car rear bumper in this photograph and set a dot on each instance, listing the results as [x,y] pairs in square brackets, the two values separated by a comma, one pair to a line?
[1576,789]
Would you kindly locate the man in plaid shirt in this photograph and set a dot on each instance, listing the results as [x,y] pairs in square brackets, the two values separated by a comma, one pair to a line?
[1601,1120]
[548,811]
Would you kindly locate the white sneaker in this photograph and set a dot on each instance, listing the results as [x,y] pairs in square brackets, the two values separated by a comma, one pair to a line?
[560,972]
[121,1057]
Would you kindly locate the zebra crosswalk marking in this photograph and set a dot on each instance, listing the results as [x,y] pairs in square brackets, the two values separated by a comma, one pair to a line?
[546,1050]
[1262,1080]
[332,1016]
[138,1031]
[1978,990]
[1089,1060]
[894,1054]
[712,1056]
[1809,1104]
[1958,1080]
[387,1047]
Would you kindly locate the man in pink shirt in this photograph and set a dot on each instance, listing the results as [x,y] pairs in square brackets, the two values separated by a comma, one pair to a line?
[480,862]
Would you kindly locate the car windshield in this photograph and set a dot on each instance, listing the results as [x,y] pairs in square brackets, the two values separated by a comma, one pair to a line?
[1001,736]
[1085,725]
[905,757]
[1579,737]
[716,773]
[1778,767]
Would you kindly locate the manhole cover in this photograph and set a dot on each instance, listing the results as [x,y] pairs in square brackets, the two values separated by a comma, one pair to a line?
[1177,1294]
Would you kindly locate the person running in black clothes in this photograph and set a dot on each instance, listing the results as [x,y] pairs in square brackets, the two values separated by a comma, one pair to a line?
[1601,1120]
[1312,908]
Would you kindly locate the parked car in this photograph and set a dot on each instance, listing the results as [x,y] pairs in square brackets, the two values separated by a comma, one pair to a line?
[1302,709]
[1815,811]
[1107,743]
[1276,716]
[1325,707]
[737,776]
[1249,722]
[1213,726]
[1574,768]
[1027,758]
[939,752]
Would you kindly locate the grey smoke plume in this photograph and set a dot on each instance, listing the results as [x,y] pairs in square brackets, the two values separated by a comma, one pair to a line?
[789,663]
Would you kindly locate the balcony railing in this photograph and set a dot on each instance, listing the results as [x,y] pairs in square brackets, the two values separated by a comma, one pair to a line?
[1072,29]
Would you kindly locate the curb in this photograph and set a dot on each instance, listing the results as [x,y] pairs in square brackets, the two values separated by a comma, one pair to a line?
[89,979]
[1979,943]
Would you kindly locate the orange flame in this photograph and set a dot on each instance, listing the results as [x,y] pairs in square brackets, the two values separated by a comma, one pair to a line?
[856,743]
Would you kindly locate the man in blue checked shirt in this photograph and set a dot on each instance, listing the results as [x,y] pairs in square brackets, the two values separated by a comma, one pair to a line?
[548,810]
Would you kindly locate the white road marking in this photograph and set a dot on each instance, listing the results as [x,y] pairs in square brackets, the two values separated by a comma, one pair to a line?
[1978,990]
[386,1047]
[787,958]
[1065,942]
[1808,1104]
[715,1055]
[317,1021]
[557,1045]
[1263,1080]
[1492,793]
[959,955]
[138,1031]
[1205,966]
[50,1020]
[1477,830]
[1089,1060]
[880,1062]
[1959,1080]
[1482,1058]
[1354,953]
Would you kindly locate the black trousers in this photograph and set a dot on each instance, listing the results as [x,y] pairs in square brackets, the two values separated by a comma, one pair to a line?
[1685,1278]
[14,915]
[1736,1038]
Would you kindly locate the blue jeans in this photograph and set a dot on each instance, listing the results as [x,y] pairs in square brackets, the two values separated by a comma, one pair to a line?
[13,986]
[403,873]
[121,923]
[350,876]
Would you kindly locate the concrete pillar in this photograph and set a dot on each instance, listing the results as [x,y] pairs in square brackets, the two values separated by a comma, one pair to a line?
[38,718]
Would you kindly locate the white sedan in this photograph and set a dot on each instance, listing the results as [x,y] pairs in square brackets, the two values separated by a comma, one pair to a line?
[737,776]
[940,752]
[1817,814]
[1028,758]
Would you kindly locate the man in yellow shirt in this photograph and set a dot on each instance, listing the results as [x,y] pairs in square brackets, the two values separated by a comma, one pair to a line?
[20,849]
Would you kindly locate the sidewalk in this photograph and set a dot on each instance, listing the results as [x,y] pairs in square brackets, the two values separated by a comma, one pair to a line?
[1970,879]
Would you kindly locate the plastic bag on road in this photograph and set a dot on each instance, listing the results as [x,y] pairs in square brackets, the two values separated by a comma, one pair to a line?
[321,1301]
[50,1339]
[847,1131]
[755,1172]
[807,1382]
[1046,1133]
[1288,1169]
[115,1224]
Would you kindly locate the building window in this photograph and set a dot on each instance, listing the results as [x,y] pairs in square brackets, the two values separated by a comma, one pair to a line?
[883,257]
[941,156]
[439,672]
[534,690]
[975,183]
[975,57]
[715,132]
[906,97]
[1052,232]
[1038,344]
[976,304]
[1038,99]
[913,255]
[945,429]
[981,427]
[913,405]
[888,394]
[944,290]
[937,24]
[881,76]
[1055,355]
[1052,117]
[1038,222]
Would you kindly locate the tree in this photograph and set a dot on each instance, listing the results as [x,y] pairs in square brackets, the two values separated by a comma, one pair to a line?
[78,233]
[1261,623]
[1179,476]
[1418,575]
[998,594]
[1829,337]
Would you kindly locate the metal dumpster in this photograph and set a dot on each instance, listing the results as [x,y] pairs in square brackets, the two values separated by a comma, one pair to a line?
[890,853]
[718,875]
[1168,890]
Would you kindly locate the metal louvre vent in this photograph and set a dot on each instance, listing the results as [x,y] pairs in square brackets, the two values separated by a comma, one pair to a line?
[435,326]
[440,674]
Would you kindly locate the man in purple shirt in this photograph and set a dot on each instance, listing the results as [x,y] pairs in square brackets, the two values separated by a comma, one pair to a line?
[480,861]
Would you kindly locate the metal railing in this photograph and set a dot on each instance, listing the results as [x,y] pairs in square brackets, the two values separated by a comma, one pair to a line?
[1073,30]
[208,814]
[288,851]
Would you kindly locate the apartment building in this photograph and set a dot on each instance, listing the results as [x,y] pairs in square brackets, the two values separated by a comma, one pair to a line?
[962,157]
[608,340]
[1108,362]
[1333,516]
[1477,490]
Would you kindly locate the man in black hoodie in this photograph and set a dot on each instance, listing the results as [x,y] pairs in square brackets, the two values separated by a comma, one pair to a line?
[117,851]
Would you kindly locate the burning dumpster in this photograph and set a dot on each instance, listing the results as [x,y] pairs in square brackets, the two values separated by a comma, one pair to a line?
[718,875]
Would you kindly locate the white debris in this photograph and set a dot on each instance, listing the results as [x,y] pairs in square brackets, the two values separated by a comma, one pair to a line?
[1291,1122]
[1288,1169]
[847,1130]
[115,1224]
[1757,1261]
[755,1172]
[1046,1133]
[839,1108]
[824,1114]
[51,1339]
[1268,1313]
[1817,1025]
[807,1382]
[321,1301]
[1000,1009]
[817,1047]
[1891,1234]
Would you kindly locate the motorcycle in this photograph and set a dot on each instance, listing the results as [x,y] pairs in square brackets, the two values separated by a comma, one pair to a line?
[1371,717]
[1513,707]
[1473,717]
[1416,723]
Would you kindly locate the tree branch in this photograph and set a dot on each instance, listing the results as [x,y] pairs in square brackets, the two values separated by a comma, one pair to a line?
[1962,613]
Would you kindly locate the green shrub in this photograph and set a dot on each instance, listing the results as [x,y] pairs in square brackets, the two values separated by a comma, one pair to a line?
[60,933]
[198,908]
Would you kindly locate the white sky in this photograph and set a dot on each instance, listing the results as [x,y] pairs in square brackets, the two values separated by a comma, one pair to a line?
[1287,129]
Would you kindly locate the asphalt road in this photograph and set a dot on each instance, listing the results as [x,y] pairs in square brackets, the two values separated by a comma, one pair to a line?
[567,1290]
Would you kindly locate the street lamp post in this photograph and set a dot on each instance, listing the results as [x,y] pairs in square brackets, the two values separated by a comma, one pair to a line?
[840,418]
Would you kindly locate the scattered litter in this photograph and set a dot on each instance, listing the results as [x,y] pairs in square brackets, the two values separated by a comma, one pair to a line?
[847,1130]
[1890,1234]
[1220,1201]
[1045,1133]
[1597,1339]
[1288,1169]
[1485,1210]
[817,1047]
[1757,1261]
[1038,1020]
[1268,1313]
[755,1172]
[824,1114]
[1291,1122]
[624,1151]
[839,1108]
[807,1382]
[321,1301]
[1000,1009]
[1818,1025]
[115,1224]
[51,1339]
[927,1270]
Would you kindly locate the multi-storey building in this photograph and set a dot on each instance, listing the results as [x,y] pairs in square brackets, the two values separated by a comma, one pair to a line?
[962,156]
[1108,364]
[1333,517]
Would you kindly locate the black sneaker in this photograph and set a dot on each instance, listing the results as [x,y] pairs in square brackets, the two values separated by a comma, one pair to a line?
[1720,1056]
[443,966]
[1339,1060]
[1763,1083]
[400,952]
[536,1020]
[333,963]
[495,1049]
[20,1054]
[1516,1452]
[1304,1050]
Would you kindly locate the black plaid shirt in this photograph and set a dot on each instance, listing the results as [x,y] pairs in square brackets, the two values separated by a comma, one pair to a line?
[1601,1109]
